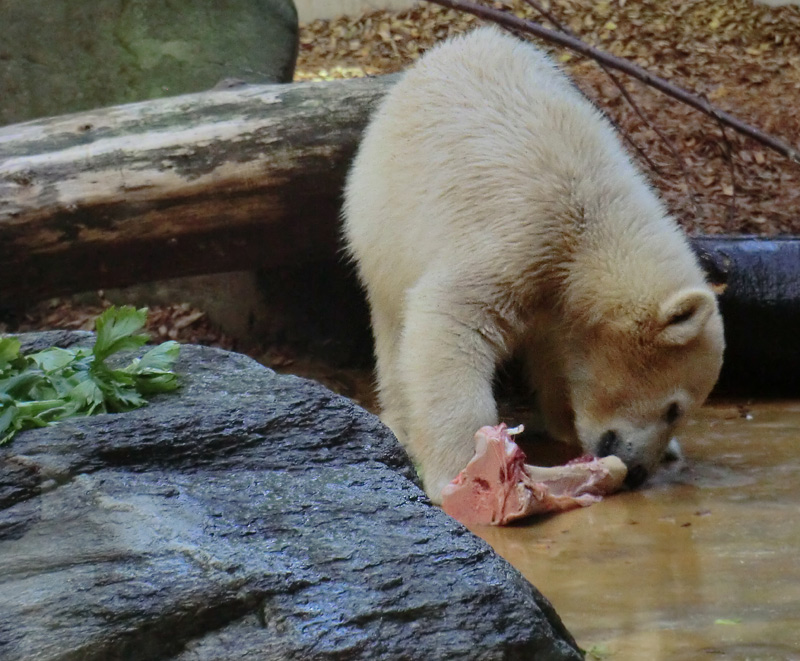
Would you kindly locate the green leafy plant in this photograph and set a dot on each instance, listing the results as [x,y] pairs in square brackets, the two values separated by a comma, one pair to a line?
[42,388]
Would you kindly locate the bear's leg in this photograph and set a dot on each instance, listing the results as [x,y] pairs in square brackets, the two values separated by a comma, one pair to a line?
[386,330]
[447,367]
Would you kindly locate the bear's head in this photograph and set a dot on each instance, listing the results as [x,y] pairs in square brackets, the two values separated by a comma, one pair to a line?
[632,379]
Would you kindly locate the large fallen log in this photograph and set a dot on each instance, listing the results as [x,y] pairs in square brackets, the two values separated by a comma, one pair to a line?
[758,280]
[202,183]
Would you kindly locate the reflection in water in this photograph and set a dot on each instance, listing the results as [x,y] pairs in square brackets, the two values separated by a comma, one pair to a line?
[704,563]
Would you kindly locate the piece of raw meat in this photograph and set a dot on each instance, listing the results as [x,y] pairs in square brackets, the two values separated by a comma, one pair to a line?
[497,486]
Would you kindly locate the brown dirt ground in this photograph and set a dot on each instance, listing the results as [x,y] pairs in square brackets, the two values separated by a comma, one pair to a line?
[744,57]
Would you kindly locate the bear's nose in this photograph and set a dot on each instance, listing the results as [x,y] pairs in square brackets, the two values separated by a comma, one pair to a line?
[609,444]
[637,474]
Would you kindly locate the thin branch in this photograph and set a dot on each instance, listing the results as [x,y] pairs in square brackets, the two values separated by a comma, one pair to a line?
[727,151]
[511,22]
[562,28]
[550,16]
[732,207]
[628,137]
[689,179]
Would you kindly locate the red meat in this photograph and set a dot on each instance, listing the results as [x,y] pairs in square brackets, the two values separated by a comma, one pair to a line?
[497,486]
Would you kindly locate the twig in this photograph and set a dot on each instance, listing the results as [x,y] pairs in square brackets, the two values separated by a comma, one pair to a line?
[531,27]
[689,179]
[639,149]
[732,207]
[562,28]
[727,151]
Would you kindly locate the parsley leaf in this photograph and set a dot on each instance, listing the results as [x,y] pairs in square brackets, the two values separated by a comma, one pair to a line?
[44,387]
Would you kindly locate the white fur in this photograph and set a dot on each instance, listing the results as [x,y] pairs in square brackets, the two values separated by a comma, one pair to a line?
[491,209]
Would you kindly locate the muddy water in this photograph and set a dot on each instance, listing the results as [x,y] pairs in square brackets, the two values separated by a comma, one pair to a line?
[702,564]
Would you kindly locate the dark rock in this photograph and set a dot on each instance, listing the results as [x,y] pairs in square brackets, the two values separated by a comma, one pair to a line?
[60,57]
[249,515]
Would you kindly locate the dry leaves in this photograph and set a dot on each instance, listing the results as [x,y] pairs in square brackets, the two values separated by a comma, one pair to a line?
[179,322]
[744,57]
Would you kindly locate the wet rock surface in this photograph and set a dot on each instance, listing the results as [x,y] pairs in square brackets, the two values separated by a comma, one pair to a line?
[251,516]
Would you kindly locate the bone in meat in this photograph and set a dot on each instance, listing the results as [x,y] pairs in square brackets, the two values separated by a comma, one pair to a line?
[497,486]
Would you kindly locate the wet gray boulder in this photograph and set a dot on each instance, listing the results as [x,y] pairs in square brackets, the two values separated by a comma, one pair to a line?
[248,516]
[70,55]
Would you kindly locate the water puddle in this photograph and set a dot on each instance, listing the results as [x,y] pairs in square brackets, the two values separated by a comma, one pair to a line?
[704,563]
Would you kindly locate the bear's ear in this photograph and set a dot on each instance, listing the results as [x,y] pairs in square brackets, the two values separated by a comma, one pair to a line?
[683,316]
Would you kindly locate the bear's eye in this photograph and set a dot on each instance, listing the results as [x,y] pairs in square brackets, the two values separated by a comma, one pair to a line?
[672,413]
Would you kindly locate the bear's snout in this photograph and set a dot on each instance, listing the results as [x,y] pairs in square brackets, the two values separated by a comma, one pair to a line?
[611,443]
[636,476]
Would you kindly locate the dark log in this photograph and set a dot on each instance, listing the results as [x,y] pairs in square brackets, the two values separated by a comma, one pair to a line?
[758,280]
[202,183]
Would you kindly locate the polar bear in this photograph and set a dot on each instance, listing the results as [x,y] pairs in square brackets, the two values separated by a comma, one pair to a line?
[491,210]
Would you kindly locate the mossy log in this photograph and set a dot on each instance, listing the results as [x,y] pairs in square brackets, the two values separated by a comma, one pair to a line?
[203,183]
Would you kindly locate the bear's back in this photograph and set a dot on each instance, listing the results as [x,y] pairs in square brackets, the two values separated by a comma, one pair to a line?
[485,153]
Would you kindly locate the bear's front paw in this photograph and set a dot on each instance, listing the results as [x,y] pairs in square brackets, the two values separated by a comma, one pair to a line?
[434,484]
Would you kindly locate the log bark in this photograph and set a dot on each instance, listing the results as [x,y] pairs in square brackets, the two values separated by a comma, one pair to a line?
[201,183]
